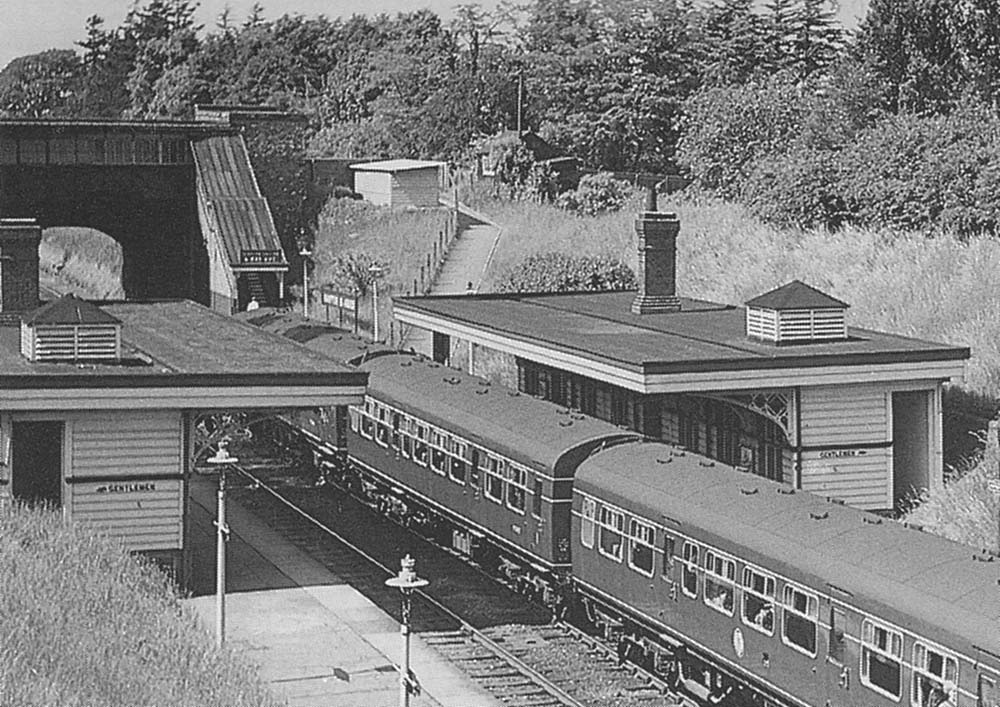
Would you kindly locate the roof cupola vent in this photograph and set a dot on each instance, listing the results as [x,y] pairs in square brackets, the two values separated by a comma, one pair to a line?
[657,232]
[71,330]
[796,313]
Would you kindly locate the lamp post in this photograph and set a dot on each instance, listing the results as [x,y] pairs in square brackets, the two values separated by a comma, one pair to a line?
[406,581]
[221,460]
[375,270]
[306,254]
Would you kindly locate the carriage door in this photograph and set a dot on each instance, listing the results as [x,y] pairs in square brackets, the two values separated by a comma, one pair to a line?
[36,462]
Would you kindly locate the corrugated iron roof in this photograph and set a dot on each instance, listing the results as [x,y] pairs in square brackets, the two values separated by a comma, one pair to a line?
[227,185]
[69,309]
[796,295]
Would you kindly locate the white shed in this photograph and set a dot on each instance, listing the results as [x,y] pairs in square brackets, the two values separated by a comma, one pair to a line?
[399,182]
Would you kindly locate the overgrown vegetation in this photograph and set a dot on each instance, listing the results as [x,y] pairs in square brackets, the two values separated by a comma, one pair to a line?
[83,261]
[83,623]
[596,194]
[561,272]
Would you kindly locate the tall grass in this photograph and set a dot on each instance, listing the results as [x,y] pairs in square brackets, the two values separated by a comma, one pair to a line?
[84,261]
[401,238]
[83,624]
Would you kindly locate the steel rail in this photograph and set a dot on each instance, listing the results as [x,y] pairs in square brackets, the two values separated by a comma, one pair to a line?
[529,672]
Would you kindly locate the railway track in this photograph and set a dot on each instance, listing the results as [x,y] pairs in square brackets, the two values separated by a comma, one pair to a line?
[500,639]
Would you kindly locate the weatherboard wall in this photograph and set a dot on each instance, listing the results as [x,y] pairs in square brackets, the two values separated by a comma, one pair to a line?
[124,473]
[411,187]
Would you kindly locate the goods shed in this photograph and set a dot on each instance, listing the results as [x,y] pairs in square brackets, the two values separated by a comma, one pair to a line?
[99,401]
[399,183]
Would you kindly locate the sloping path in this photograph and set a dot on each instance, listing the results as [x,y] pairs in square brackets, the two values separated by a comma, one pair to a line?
[463,268]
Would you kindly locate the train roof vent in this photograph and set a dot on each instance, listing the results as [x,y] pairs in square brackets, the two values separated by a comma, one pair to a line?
[796,313]
[70,329]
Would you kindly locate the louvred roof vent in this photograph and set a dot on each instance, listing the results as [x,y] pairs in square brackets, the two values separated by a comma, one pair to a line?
[69,330]
[796,313]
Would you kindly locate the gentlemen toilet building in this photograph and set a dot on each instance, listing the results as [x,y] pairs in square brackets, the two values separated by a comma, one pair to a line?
[98,402]
[781,387]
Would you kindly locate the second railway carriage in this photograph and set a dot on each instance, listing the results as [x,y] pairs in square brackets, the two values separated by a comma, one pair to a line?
[819,603]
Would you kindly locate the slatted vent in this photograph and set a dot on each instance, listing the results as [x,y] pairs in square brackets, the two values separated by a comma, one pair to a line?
[71,330]
[796,313]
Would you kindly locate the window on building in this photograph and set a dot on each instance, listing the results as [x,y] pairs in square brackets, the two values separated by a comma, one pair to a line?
[588,511]
[881,659]
[935,677]
[689,570]
[640,546]
[800,615]
[720,578]
[838,636]
[611,531]
[536,498]
[494,480]
[668,556]
[517,487]
[758,601]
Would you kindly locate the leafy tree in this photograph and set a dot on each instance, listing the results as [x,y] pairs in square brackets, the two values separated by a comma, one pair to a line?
[558,272]
[597,194]
[355,272]
[39,85]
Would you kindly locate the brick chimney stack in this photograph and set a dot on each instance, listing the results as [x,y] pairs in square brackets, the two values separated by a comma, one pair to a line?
[657,233]
[19,240]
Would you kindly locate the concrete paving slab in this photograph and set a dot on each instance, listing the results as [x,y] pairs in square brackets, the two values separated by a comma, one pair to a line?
[317,641]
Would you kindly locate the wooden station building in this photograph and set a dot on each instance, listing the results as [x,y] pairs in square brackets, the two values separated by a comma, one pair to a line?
[781,386]
[98,402]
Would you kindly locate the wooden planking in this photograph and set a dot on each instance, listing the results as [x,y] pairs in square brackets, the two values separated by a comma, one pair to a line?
[149,518]
[843,414]
[125,444]
[863,480]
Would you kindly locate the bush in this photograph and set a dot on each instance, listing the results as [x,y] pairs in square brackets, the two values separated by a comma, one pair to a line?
[919,172]
[597,194]
[800,188]
[728,129]
[558,272]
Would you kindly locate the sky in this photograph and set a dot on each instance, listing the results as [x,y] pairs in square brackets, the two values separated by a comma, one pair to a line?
[30,26]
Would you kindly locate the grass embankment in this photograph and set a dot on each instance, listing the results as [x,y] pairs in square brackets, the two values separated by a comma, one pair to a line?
[402,239]
[941,289]
[83,261]
[84,624]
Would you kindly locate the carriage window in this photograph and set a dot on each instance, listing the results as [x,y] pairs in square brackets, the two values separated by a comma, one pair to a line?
[668,555]
[367,427]
[799,627]
[881,653]
[536,498]
[588,511]
[382,434]
[420,446]
[439,460]
[611,531]
[494,482]
[838,639]
[758,601]
[989,692]
[457,470]
[517,488]
[935,678]
[640,547]
[689,571]
[720,576]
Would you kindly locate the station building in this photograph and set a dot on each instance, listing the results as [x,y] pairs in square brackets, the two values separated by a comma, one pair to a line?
[781,386]
[98,402]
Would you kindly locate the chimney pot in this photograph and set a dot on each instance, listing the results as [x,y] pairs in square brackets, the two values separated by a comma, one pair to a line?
[19,240]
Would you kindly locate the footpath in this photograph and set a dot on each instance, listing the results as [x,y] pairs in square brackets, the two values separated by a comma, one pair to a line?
[462,270]
[314,639]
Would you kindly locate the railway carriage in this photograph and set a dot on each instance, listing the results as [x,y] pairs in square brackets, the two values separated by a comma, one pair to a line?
[731,579]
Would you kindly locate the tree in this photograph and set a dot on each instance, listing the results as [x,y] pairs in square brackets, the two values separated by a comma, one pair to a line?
[39,85]
[816,37]
[355,272]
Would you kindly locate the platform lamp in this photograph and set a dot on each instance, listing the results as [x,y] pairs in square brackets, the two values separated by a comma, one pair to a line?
[406,581]
[375,270]
[221,460]
[306,254]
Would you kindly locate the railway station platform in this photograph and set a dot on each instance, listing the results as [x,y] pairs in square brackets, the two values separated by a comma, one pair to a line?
[315,640]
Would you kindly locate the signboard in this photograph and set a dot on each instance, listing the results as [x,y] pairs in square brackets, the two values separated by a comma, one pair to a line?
[841,453]
[342,301]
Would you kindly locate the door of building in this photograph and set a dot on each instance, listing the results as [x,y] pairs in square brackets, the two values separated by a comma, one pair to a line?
[36,451]
[910,444]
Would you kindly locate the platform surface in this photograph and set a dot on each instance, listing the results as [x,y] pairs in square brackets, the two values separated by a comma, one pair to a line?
[306,629]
